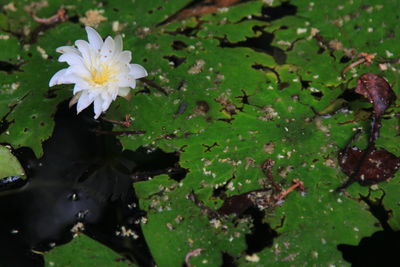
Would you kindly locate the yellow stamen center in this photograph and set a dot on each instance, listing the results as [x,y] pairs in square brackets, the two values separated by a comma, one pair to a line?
[101,76]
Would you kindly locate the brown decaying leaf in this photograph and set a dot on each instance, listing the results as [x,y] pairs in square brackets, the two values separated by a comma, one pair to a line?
[378,165]
[202,8]
[236,204]
[206,7]
[377,90]
[370,165]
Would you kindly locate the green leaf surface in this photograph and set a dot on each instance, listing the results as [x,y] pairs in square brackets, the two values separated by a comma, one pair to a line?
[9,165]
[84,251]
[234,88]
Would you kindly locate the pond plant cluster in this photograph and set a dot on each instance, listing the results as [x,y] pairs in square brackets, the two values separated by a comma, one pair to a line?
[199,133]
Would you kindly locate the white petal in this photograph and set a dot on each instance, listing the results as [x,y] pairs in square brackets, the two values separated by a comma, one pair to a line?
[124,69]
[56,77]
[67,77]
[106,104]
[112,92]
[84,101]
[84,48]
[126,81]
[118,43]
[67,49]
[125,57]
[71,59]
[98,102]
[124,91]
[78,88]
[94,93]
[70,77]
[80,70]
[94,38]
[137,71]
[107,49]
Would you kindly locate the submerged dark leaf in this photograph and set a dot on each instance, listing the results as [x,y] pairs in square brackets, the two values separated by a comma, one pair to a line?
[377,166]
[370,165]
[377,90]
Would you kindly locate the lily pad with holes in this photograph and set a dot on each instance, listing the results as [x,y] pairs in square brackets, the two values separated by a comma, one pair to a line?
[226,91]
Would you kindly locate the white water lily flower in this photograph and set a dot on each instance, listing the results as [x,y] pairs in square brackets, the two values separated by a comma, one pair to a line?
[100,70]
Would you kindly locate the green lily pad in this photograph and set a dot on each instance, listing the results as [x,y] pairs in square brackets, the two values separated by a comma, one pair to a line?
[9,165]
[228,91]
[84,251]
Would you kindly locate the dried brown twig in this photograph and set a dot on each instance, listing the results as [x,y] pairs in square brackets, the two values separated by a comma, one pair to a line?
[364,58]
[190,254]
[126,123]
[59,17]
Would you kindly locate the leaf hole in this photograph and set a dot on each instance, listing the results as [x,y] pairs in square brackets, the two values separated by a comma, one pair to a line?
[261,43]
[262,235]
[9,67]
[175,61]
[179,45]
[317,95]
[154,161]
[305,84]
[344,59]
[51,93]
[277,12]
[283,85]
[380,249]
[202,107]
[74,19]
[228,260]
[208,148]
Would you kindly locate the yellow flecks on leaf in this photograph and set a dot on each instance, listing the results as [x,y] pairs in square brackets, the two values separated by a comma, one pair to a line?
[215,223]
[142,32]
[314,32]
[383,66]
[335,45]
[198,67]
[117,26]
[34,6]
[15,86]
[252,258]
[269,148]
[42,52]
[388,53]
[284,43]
[268,2]
[301,31]
[93,18]
[321,126]
[330,163]
[10,7]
